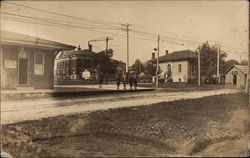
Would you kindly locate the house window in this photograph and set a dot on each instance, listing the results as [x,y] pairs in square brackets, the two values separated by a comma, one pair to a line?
[179,68]
[39,64]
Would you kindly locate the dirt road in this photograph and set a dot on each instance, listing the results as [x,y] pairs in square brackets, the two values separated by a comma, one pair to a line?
[31,109]
[208,126]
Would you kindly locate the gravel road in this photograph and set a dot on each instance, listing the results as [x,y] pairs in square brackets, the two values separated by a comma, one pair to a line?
[31,109]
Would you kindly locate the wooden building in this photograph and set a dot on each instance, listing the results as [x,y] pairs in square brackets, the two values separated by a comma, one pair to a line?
[236,75]
[27,61]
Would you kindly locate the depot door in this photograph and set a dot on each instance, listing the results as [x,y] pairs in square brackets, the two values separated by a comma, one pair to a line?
[234,79]
[23,71]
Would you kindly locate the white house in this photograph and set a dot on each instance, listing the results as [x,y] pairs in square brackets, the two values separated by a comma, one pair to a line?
[178,65]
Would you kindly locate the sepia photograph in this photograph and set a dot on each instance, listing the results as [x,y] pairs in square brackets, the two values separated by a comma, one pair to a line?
[113,78]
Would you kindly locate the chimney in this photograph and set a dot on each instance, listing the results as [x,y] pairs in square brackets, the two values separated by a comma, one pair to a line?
[166,52]
[153,55]
[90,47]
[79,47]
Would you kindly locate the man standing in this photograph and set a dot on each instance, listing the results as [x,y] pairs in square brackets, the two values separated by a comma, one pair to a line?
[99,75]
[135,79]
[119,78]
[124,79]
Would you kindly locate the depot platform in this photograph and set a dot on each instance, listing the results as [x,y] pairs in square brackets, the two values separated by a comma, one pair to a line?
[67,91]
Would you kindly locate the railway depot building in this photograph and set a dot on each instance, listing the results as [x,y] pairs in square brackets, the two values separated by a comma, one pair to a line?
[28,61]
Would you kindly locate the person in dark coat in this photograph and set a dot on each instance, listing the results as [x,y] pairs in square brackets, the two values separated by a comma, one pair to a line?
[124,79]
[100,79]
[119,78]
[130,79]
[99,75]
[135,79]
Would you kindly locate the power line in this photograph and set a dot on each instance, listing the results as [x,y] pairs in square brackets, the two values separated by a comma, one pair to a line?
[65,25]
[143,32]
[235,34]
[64,19]
[48,23]
[59,14]
[93,23]
[55,21]
[121,44]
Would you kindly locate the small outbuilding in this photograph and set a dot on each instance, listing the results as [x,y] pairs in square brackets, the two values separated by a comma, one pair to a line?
[27,61]
[236,75]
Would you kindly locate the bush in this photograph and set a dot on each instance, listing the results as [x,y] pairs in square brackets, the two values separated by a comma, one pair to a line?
[170,80]
[192,80]
[161,80]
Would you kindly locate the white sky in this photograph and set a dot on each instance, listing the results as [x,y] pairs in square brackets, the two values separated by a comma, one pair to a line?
[201,21]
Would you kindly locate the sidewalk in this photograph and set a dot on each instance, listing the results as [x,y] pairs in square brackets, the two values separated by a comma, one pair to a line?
[66,91]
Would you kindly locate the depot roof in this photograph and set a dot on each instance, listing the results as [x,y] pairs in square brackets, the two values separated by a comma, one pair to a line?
[11,38]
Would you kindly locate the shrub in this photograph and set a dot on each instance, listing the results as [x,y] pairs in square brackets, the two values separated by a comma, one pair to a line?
[170,80]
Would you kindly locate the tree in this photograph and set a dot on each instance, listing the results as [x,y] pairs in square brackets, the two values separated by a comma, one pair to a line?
[232,62]
[150,68]
[104,60]
[244,62]
[138,66]
[208,55]
[225,65]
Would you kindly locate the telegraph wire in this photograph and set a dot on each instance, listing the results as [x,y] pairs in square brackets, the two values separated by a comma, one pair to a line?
[235,34]
[49,23]
[78,18]
[55,21]
[59,14]
[99,23]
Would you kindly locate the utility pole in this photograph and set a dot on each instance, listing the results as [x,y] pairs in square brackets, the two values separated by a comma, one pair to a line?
[218,65]
[157,62]
[127,29]
[199,68]
[248,71]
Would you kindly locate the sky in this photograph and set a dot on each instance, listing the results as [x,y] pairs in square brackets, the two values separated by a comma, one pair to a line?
[180,24]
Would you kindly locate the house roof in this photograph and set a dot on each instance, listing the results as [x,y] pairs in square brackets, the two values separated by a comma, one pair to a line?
[83,52]
[178,56]
[11,38]
[242,68]
[118,61]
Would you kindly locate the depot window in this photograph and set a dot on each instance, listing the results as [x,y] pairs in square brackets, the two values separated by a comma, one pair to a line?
[39,64]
